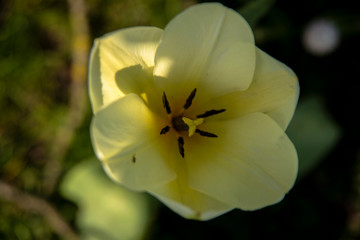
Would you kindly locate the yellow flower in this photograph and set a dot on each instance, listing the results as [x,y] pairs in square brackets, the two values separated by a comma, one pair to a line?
[194,114]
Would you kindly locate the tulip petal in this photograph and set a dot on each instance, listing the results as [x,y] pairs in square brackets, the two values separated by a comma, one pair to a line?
[274,91]
[203,46]
[177,194]
[126,138]
[250,165]
[189,203]
[117,51]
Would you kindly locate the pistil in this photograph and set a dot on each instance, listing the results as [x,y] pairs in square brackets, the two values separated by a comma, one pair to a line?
[192,124]
[179,124]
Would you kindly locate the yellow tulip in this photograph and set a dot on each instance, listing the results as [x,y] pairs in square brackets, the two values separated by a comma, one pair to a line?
[194,114]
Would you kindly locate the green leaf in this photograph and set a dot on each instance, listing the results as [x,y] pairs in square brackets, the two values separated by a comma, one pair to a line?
[254,10]
[106,210]
[313,133]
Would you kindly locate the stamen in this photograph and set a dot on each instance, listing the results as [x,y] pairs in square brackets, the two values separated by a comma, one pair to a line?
[205,134]
[210,113]
[164,130]
[181,146]
[166,103]
[189,99]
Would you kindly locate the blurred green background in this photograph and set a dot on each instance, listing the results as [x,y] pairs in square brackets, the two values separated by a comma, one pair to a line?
[52,187]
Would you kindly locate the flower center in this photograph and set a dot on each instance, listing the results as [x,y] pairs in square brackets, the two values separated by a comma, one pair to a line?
[181,123]
[186,124]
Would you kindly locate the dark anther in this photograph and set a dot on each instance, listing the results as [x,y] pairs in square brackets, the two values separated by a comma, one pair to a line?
[210,113]
[166,103]
[189,99]
[164,130]
[134,159]
[205,134]
[181,146]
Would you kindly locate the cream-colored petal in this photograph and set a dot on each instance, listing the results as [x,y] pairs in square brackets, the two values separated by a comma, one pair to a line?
[139,80]
[274,91]
[189,203]
[250,165]
[126,138]
[115,52]
[207,46]
[95,93]
[177,194]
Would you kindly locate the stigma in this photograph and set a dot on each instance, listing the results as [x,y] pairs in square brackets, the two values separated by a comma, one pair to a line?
[192,124]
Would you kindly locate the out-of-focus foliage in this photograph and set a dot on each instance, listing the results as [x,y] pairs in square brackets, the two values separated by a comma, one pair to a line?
[253,11]
[119,14]
[35,60]
[34,42]
[313,132]
[106,210]
[33,81]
